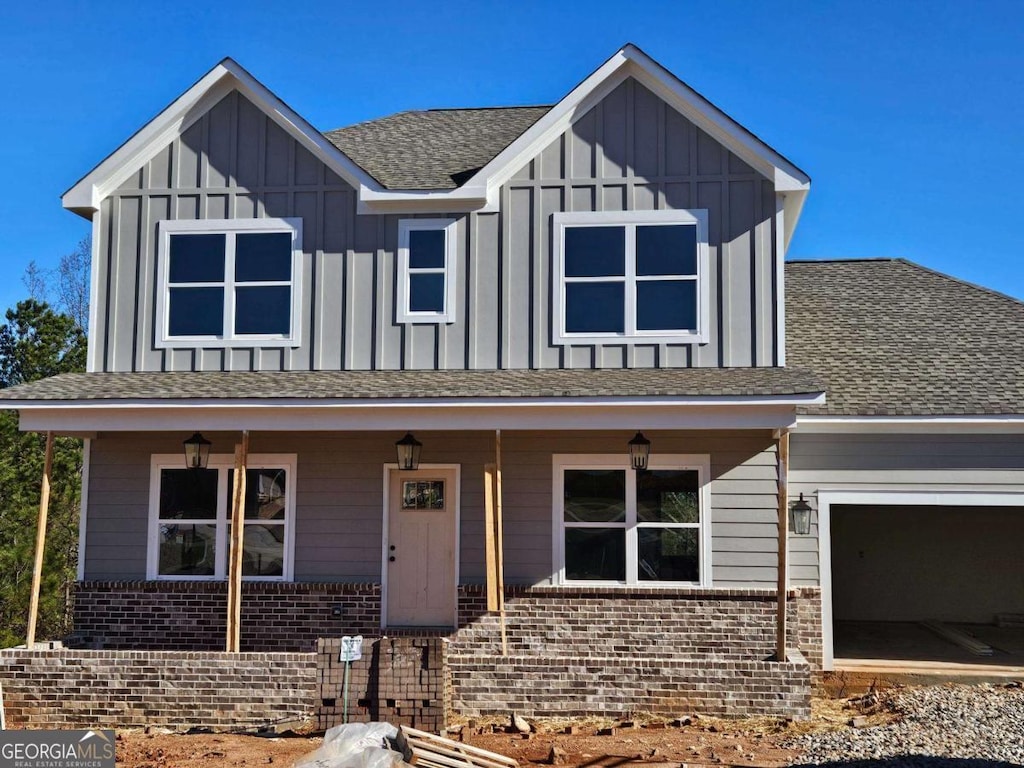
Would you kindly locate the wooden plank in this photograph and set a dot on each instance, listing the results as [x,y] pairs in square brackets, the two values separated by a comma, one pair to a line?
[783,545]
[490,539]
[234,638]
[37,567]
[499,542]
[424,740]
[957,637]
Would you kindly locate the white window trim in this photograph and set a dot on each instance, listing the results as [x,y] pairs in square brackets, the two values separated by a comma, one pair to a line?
[402,312]
[699,462]
[695,217]
[222,463]
[167,228]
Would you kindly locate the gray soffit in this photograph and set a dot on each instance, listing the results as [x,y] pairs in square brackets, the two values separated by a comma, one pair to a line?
[709,383]
[891,338]
[435,148]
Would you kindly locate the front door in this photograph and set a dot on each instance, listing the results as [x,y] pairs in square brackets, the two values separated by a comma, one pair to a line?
[420,548]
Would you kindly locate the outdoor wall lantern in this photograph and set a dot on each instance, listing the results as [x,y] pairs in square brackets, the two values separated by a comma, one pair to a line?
[800,517]
[639,451]
[408,452]
[197,451]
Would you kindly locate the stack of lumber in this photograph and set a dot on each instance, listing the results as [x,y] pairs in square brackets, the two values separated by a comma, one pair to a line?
[426,750]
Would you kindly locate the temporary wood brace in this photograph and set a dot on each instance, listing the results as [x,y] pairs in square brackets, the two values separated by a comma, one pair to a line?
[37,568]
[490,540]
[783,572]
[234,638]
[499,543]
[957,637]
[429,751]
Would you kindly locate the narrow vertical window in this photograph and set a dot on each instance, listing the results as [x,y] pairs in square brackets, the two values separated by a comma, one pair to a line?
[426,271]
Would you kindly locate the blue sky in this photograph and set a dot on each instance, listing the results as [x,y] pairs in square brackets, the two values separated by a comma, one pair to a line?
[909,116]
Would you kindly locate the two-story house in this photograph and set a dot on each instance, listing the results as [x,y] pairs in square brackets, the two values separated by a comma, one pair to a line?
[439,336]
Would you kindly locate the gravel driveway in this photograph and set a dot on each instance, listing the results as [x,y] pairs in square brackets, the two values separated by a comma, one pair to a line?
[967,722]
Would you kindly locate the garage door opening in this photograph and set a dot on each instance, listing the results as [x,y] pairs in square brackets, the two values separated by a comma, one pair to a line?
[910,580]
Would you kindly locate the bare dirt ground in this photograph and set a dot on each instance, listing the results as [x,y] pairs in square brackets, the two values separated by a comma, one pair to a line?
[654,743]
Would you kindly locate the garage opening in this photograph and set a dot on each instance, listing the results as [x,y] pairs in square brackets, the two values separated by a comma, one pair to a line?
[910,581]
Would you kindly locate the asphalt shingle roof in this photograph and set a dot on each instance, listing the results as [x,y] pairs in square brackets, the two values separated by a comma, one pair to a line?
[693,382]
[432,149]
[889,337]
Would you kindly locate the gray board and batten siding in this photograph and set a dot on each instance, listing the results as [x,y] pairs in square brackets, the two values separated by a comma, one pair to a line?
[630,151]
[980,462]
[339,499]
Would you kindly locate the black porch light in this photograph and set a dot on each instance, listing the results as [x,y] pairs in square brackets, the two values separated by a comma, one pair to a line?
[197,451]
[408,451]
[639,451]
[800,517]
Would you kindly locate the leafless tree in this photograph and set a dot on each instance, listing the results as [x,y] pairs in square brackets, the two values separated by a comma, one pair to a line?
[70,279]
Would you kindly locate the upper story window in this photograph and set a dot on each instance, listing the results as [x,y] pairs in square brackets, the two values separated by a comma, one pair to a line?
[233,281]
[631,277]
[426,271]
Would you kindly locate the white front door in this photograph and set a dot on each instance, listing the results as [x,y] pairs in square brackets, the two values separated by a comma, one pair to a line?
[421,547]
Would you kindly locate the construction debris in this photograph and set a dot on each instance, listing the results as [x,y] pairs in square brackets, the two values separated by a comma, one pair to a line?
[958,637]
[425,750]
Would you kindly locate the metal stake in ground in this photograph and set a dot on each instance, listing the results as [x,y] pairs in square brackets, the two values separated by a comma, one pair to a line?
[351,650]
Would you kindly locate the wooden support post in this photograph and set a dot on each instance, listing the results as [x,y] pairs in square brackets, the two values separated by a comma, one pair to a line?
[37,568]
[490,540]
[234,638]
[783,583]
[499,543]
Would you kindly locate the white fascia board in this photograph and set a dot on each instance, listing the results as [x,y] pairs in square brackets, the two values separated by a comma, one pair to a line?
[1007,424]
[793,203]
[176,118]
[358,415]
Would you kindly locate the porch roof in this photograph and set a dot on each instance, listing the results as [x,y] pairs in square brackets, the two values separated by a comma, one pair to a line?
[701,383]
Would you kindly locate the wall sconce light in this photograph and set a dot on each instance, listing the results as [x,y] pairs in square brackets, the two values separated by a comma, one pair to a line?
[197,451]
[639,451]
[408,452]
[800,517]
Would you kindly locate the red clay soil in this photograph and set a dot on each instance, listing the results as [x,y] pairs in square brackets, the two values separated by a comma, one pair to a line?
[656,745]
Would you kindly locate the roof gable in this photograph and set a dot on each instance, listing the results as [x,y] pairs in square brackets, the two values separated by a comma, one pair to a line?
[87,193]
[522,136]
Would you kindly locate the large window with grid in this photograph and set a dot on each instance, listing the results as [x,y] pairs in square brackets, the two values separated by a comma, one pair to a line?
[617,526]
[190,518]
[630,277]
[229,282]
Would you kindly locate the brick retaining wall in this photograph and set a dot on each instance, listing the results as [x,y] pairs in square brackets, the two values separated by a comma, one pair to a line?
[66,688]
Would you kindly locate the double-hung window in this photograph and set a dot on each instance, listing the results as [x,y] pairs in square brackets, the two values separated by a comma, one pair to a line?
[630,277]
[426,271]
[229,282]
[190,518]
[617,526]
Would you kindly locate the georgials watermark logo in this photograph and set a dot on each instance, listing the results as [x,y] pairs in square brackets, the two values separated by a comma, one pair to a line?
[56,749]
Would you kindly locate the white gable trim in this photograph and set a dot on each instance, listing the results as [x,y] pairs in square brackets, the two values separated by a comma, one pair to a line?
[176,118]
[480,193]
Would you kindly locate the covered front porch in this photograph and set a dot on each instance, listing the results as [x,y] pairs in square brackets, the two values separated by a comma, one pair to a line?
[523,535]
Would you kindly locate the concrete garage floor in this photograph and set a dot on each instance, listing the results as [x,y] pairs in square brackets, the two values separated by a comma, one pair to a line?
[908,650]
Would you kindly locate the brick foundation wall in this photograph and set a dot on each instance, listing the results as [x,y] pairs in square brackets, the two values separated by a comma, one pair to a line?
[700,639]
[66,688]
[601,651]
[192,615]
[400,680]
